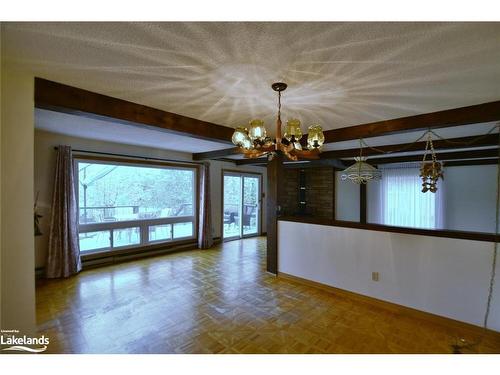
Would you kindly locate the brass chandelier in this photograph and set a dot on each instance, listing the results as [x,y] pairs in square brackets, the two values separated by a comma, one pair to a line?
[253,141]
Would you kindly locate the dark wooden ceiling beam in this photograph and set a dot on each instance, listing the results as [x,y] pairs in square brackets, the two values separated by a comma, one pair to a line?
[336,164]
[67,99]
[217,154]
[333,163]
[473,114]
[257,161]
[460,163]
[487,140]
[458,155]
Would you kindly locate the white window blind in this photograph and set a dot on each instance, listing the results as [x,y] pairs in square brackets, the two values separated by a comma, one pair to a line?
[401,201]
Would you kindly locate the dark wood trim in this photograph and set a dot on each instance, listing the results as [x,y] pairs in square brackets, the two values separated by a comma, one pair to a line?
[334,192]
[362,203]
[275,178]
[217,154]
[473,114]
[241,162]
[473,154]
[459,163]
[474,236]
[221,224]
[72,100]
[321,163]
[227,160]
[261,204]
[299,208]
[487,140]
[260,162]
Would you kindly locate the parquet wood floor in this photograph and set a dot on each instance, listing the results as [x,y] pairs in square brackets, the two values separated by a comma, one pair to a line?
[221,301]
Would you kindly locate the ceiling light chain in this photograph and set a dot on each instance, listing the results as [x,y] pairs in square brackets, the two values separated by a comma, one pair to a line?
[472,141]
[412,144]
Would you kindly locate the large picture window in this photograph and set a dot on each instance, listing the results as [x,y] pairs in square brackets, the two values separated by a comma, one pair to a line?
[123,204]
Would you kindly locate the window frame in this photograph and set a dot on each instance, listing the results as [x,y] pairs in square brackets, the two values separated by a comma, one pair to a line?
[143,224]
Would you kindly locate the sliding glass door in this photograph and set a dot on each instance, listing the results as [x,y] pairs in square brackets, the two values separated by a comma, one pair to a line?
[232,206]
[241,205]
[251,205]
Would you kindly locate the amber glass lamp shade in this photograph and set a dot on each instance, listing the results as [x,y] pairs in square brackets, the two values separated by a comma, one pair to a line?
[257,131]
[247,144]
[240,138]
[293,129]
[315,137]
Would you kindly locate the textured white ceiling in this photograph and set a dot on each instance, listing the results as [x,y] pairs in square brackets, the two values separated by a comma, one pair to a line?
[339,74]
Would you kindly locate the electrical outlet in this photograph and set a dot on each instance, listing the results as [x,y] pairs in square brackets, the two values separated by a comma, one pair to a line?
[375,276]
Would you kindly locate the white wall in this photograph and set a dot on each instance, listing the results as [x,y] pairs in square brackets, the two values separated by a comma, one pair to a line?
[346,199]
[470,198]
[44,173]
[17,299]
[447,277]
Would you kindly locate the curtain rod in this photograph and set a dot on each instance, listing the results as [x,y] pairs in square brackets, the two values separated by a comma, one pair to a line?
[133,156]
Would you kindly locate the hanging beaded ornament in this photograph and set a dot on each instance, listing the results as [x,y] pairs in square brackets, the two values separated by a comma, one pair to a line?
[431,170]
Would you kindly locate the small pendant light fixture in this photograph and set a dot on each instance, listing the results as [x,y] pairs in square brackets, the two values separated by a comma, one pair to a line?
[361,172]
[430,171]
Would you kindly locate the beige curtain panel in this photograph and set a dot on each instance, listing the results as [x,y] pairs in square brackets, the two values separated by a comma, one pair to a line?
[63,259]
[205,239]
